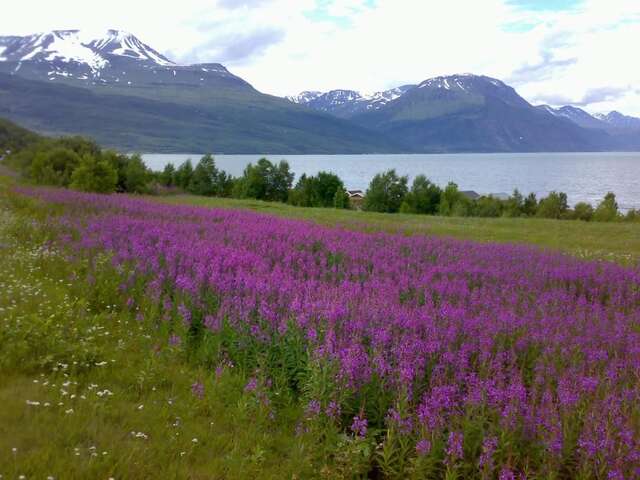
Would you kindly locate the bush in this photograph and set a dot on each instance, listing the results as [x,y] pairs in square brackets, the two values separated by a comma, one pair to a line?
[424,197]
[386,192]
[94,176]
[54,167]
[607,210]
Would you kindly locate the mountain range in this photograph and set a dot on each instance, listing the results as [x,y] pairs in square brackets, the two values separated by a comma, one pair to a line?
[119,90]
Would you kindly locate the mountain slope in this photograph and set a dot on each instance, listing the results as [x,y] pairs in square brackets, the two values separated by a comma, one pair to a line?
[134,123]
[469,113]
[120,91]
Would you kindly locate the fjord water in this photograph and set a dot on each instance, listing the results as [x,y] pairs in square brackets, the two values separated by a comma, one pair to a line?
[583,176]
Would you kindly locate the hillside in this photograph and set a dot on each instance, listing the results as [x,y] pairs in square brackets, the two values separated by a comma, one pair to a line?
[126,95]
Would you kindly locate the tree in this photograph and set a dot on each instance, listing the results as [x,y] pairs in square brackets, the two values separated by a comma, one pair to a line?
[167,177]
[204,180]
[54,167]
[93,175]
[514,205]
[318,191]
[553,206]
[265,181]
[341,198]
[583,211]
[424,197]
[488,207]
[136,175]
[607,210]
[530,205]
[386,192]
[183,175]
[450,199]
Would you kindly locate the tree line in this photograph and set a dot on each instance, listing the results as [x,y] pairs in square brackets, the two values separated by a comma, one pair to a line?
[78,163]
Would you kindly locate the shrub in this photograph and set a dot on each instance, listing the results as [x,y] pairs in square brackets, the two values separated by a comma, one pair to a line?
[386,192]
[54,167]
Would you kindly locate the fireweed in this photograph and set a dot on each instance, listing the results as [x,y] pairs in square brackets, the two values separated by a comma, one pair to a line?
[509,359]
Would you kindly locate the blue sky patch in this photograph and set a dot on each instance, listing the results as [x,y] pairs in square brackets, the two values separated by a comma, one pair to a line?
[545,5]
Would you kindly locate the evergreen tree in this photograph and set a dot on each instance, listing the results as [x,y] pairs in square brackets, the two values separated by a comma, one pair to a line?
[167,177]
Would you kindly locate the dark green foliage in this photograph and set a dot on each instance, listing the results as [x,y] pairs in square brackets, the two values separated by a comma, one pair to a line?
[208,180]
[265,181]
[167,177]
[607,210]
[386,192]
[54,167]
[323,190]
[93,175]
[553,206]
[583,211]
[341,198]
[451,200]
[183,175]
[136,175]
[424,197]
[488,207]
[530,205]
[514,205]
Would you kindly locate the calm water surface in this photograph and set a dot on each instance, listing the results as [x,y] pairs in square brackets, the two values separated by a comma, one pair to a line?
[583,176]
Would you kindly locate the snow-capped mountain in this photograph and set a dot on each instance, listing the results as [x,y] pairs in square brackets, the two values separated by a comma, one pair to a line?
[112,57]
[347,103]
[576,115]
[612,121]
[618,120]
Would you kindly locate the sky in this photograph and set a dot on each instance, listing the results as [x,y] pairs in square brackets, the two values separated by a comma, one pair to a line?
[558,52]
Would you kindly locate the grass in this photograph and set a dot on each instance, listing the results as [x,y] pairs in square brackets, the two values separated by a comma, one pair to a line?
[88,390]
[614,241]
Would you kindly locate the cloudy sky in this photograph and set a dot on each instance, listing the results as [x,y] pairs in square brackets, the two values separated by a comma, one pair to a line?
[580,52]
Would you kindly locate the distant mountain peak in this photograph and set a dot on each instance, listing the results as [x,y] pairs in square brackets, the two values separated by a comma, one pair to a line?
[347,103]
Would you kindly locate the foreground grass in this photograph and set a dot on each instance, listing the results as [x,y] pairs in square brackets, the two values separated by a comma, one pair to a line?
[89,390]
[614,241]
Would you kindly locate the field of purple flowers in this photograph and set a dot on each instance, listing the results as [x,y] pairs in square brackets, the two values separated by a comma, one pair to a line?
[451,358]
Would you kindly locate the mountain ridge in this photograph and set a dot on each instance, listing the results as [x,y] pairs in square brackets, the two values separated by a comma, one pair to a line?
[207,105]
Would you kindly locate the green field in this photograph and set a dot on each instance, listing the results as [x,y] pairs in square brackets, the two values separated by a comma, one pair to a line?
[90,391]
[615,241]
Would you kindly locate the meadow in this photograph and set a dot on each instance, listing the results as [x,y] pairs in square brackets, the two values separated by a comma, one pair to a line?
[148,339]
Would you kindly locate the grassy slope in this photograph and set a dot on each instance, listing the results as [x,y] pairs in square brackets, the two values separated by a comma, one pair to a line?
[612,241]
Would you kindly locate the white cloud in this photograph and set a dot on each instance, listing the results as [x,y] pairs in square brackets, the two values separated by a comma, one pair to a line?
[285,46]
